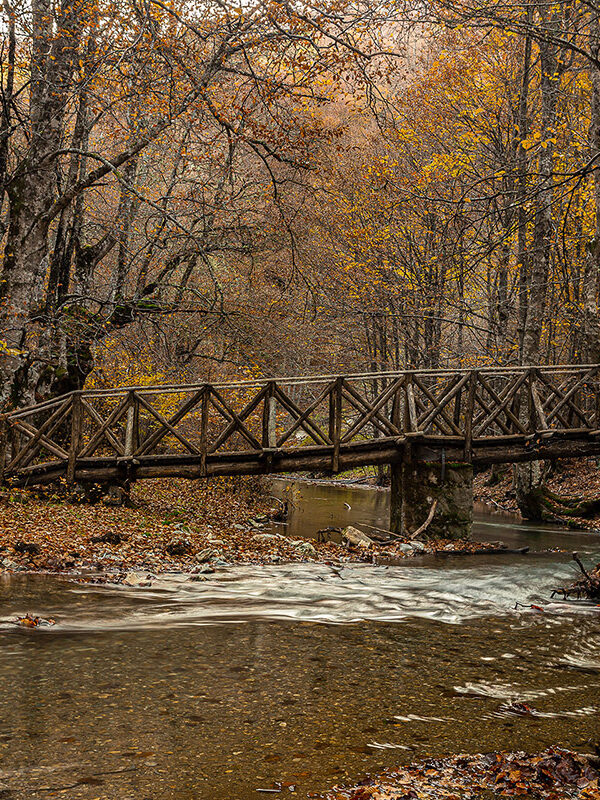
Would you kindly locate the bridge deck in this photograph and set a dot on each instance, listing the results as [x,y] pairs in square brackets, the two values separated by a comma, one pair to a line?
[324,423]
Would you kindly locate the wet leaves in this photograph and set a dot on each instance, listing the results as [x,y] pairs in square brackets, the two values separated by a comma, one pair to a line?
[518,709]
[552,775]
[31,621]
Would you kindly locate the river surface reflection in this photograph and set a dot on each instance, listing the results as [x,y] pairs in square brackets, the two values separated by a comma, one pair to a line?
[293,674]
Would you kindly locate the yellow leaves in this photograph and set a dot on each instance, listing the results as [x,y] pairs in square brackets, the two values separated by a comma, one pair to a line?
[10,351]
[535,138]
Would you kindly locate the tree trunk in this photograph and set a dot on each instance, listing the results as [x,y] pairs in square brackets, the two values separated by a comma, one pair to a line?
[23,318]
[591,274]
[528,479]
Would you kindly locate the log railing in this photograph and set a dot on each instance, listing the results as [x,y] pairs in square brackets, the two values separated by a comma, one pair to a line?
[322,422]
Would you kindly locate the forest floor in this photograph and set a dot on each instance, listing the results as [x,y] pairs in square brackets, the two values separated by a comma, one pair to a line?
[172,525]
[177,525]
[551,775]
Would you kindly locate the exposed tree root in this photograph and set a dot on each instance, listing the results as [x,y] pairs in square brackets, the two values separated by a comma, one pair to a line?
[566,510]
[571,506]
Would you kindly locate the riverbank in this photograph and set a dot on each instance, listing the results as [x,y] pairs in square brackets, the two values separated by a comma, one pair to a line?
[575,478]
[554,774]
[169,526]
[173,526]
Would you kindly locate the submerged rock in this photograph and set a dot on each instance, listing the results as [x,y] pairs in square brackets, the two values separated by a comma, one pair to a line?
[138,579]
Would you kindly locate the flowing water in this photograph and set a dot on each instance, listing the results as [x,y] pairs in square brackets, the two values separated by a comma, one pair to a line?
[295,677]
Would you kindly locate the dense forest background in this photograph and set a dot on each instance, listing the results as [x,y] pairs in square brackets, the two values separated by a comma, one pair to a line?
[202,190]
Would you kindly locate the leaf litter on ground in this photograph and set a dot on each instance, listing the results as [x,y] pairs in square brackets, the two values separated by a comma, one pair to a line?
[171,526]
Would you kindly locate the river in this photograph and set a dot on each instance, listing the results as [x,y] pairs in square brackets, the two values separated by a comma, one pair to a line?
[299,676]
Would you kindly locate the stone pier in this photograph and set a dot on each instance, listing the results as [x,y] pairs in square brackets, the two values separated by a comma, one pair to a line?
[415,487]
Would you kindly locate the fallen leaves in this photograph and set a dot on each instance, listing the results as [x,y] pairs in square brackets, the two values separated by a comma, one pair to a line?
[29,621]
[174,525]
[552,775]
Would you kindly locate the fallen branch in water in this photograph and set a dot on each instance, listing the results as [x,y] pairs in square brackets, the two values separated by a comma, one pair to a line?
[427,522]
[587,586]
[382,530]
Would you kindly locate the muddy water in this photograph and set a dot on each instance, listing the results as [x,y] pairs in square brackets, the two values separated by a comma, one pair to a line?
[294,674]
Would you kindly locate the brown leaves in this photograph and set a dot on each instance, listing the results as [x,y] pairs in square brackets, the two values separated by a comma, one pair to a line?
[552,775]
[171,523]
[29,621]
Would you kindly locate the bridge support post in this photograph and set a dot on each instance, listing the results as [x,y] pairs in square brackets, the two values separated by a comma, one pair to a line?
[417,485]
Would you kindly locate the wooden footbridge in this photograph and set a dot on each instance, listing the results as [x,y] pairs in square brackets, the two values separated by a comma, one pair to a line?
[323,423]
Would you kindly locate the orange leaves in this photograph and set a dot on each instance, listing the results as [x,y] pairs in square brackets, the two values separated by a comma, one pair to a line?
[29,621]
[555,774]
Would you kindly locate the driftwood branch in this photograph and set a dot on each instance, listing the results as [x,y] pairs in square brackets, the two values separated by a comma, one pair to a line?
[427,522]
[587,586]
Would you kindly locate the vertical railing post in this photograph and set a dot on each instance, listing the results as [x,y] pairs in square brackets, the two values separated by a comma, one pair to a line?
[458,404]
[76,431]
[469,414]
[396,416]
[535,412]
[539,421]
[132,425]
[204,428]
[335,422]
[410,407]
[4,443]
[269,420]
[136,422]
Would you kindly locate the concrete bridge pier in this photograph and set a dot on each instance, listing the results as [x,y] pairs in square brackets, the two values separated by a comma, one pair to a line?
[416,485]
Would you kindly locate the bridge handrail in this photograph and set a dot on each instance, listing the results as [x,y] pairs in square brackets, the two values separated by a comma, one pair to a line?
[170,388]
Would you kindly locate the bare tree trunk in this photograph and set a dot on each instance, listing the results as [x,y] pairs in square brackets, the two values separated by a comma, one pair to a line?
[591,274]
[22,313]
[529,478]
